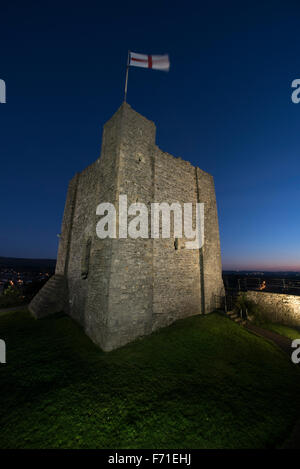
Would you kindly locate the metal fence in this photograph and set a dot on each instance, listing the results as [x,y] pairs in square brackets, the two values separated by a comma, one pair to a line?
[290,286]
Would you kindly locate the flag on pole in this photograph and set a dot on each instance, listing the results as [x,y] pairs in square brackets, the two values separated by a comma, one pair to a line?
[157,62]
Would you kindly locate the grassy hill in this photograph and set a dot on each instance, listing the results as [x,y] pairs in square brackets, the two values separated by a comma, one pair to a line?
[287,331]
[203,382]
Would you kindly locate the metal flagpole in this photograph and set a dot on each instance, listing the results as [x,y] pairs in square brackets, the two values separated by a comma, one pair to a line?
[126,80]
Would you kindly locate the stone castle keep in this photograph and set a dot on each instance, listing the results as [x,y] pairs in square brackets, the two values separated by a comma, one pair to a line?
[120,289]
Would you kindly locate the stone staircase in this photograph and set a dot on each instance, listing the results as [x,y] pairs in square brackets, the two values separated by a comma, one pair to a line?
[234,316]
[51,298]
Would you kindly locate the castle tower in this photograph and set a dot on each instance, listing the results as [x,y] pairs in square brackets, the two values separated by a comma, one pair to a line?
[120,289]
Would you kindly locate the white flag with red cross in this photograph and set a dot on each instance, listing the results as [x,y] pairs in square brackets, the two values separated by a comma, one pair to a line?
[157,62]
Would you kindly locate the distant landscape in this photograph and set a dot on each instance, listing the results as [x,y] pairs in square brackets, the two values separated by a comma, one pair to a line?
[265,273]
[33,265]
[21,279]
[48,265]
[27,276]
[273,282]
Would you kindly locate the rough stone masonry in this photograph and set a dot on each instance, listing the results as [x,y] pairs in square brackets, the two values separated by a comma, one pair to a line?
[121,289]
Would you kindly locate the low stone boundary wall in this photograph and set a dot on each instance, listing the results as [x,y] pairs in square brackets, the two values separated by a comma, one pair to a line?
[278,307]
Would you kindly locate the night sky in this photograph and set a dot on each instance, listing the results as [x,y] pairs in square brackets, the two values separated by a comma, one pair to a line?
[225,106]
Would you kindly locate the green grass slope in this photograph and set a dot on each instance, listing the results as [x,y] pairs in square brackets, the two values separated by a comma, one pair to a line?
[203,382]
[287,331]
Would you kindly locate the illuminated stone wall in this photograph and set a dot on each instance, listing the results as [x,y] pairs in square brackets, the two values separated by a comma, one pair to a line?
[278,307]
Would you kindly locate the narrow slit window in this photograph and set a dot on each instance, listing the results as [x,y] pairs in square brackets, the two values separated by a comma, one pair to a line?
[85,261]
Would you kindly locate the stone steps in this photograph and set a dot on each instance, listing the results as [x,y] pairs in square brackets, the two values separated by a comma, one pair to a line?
[234,316]
[51,298]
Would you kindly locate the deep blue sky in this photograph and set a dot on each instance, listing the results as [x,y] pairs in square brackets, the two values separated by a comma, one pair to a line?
[225,106]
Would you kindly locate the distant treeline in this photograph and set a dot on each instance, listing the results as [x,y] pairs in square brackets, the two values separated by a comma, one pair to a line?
[28,265]
[261,273]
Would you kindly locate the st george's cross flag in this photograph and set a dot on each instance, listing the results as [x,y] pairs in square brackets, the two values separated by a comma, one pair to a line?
[157,62]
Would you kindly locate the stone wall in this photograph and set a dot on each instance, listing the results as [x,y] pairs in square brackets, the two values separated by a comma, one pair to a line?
[81,235]
[278,307]
[66,229]
[177,283]
[96,314]
[131,273]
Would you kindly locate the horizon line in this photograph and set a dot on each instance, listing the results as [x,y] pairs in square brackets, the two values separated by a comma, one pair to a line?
[283,268]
